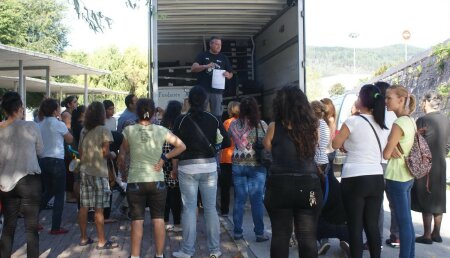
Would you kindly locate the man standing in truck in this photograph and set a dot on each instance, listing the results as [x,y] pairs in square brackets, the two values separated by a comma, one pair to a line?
[204,65]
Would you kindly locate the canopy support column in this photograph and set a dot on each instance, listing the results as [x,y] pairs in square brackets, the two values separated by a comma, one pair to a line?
[47,82]
[21,83]
[85,90]
[301,45]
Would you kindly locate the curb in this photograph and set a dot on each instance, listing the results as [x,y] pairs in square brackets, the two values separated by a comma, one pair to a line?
[244,249]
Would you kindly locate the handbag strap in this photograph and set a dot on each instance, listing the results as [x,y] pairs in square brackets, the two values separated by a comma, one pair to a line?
[376,135]
[210,146]
[256,128]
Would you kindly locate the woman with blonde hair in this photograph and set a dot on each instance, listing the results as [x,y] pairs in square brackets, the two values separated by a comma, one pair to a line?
[399,180]
[226,175]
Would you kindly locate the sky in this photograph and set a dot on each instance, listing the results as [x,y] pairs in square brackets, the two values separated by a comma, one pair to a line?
[378,23]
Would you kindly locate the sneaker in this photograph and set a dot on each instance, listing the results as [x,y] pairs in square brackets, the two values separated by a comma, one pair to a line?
[177,229]
[323,248]
[345,247]
[238,237]
[394,243]
[262,238]
[169,227]
[59,231]
[215,255]
[366,246]
[181,254]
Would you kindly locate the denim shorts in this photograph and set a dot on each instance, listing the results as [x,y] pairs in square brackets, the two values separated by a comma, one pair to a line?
[149,194]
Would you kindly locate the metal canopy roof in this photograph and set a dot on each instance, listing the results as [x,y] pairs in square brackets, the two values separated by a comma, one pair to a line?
[35,63]
[37,85]
[190,21]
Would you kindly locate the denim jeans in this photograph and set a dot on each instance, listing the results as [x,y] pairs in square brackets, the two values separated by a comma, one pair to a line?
[27,193]
[189,186]
[248,182]
[400,196]
[54,185]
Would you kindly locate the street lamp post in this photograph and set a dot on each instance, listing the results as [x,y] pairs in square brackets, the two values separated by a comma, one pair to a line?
[354,35]
[406,36]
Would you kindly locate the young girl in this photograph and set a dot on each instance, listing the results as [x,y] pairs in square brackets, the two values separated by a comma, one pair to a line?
[399,181]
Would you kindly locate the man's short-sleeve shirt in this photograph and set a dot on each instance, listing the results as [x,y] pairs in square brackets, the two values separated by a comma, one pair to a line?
[204,78]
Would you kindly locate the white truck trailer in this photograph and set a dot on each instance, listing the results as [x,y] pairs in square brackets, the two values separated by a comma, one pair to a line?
[264,40]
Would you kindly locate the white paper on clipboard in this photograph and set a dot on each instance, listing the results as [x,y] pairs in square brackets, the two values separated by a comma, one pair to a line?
[218,80]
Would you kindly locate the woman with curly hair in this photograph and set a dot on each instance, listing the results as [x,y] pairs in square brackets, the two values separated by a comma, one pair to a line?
[293,190]
[249,176]
[94,187]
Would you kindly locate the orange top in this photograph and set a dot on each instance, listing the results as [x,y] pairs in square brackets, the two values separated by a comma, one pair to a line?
[227,152]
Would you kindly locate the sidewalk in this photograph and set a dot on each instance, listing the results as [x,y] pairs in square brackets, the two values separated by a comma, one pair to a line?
[262,250]
[67,245]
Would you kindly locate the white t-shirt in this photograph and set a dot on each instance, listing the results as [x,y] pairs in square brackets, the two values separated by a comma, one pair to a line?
[111,124]
[53,131]
[363,152]
[389,121]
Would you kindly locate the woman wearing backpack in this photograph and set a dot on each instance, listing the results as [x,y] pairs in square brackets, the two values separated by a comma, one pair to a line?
[399,180]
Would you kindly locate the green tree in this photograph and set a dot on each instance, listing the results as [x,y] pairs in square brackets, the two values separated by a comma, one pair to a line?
[337,89]
[33,24]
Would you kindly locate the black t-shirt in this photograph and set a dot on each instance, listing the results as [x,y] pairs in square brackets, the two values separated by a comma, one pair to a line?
[204,78]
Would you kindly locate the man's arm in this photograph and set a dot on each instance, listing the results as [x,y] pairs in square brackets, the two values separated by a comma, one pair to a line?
[197,68]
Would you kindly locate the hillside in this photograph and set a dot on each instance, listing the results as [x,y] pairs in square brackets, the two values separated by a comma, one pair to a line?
[328,61]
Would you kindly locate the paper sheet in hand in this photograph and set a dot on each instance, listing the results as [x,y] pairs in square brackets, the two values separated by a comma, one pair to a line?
[218,80]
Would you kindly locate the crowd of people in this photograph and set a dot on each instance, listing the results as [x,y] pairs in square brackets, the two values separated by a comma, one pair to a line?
[175,165]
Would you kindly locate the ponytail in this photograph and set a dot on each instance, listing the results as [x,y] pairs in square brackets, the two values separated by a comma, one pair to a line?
[379,110]
[371,98]
[410,100]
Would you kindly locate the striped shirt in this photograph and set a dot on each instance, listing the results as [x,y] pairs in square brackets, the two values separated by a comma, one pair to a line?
[324,138]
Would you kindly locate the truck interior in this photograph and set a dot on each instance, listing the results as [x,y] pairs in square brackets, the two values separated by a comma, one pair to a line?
[263,39]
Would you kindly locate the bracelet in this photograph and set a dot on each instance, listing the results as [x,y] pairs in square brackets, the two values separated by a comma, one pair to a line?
[163,157]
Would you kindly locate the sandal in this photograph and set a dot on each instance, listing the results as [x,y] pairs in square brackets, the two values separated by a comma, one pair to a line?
[89,241]
[108,245]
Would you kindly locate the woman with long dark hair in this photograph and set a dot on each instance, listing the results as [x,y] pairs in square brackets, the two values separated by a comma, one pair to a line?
[20,187]
[249,176]
[362,182]
[173,199]
[197,170]
[293,191]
